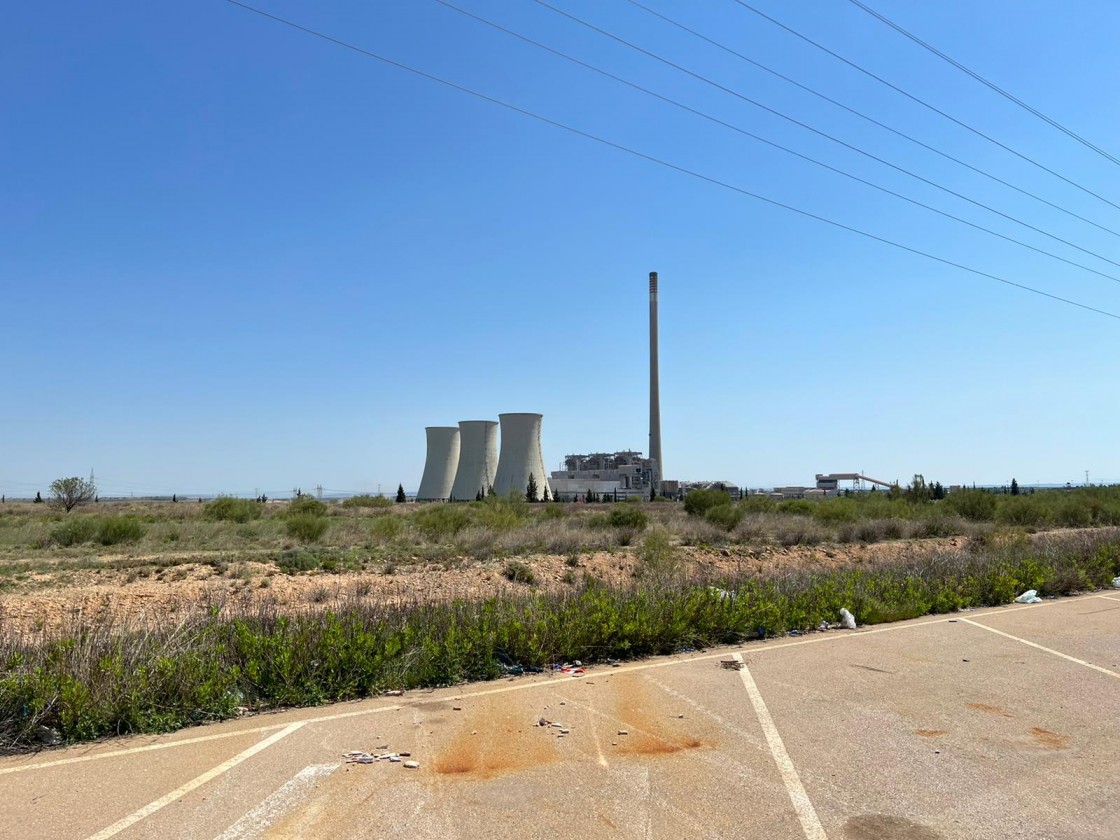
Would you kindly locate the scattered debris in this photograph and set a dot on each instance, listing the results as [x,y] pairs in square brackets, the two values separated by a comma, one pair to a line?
[824,626]
[394,693]
[48,736]
[1028,597]
[847,620]
[456,708]
[412,765]
[731,664]
[722,594]
[361,757]
[794,633]
[952,621]
[1116,583]
[623,732]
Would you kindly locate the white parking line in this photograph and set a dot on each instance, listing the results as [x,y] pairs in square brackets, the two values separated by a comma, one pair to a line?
[278,803]
[1051,651]
[146,748]
[197,782]
[810,823]
[1107,597]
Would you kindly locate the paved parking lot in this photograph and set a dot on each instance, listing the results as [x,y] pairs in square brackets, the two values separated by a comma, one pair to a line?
[990,724]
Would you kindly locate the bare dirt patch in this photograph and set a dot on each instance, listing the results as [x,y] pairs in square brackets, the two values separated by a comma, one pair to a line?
[151,590]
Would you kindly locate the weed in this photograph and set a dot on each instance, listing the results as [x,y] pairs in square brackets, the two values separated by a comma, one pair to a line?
[230,509]
[367,501]
[306,527]
[120,529]
[519,572]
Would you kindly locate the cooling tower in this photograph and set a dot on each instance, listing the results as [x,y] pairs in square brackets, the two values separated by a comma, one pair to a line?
[439,467]
[478,458]
[521,455]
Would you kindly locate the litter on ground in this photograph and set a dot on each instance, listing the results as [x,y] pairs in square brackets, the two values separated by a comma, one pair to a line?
[847,620]
[1028,597]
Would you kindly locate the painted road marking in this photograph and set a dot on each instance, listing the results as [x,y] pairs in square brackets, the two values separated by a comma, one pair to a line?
[797,795]
[146,748]
[197,782]
[1108,597]
[278,803]
[1058,653]
[645,666]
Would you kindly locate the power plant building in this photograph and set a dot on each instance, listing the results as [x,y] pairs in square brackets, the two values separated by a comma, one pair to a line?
[606,474]
[478,459]
[440,465]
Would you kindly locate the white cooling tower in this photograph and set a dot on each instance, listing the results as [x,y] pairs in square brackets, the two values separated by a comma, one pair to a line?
[478,459]
[521,455]
[440,465]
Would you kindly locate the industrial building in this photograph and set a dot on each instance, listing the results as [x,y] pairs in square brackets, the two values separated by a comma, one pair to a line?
[609,475]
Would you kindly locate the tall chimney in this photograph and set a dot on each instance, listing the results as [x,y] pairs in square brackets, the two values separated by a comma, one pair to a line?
[654,386]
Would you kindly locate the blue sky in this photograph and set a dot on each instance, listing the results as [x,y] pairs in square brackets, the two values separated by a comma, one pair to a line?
[235,257]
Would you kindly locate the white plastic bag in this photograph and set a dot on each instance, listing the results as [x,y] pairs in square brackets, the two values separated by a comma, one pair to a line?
[1028,597]
[847,620]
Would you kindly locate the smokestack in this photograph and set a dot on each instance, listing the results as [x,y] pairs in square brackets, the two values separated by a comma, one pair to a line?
[654,385]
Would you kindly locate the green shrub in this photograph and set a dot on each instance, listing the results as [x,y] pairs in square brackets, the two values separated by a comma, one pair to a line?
[306,505]
[306,527]
[386,527]
[496,512]
[555,511]
[120,529]
[519,572]
[1072,513]
[367,501]
[660,560]
[796,507]
[440,522]
[1022,510]
[292,562]
[977,505]
[230,509]
[699,502]
[836,510]
[75,531]
[725,516]
[627,516]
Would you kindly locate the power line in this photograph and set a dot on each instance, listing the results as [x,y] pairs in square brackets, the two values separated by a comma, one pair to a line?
[652,159]
[761,139]
[992,85]
[867,117]
[923,103]
[817,131]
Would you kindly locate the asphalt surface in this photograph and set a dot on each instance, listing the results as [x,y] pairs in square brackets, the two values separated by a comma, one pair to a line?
[988,724]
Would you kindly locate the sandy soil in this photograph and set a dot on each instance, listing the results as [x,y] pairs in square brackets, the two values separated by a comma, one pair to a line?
[46,602]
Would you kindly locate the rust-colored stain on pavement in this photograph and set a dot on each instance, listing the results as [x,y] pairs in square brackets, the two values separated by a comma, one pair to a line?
[1048,739]
[931,733]
[989,710]
[651,730]
[495,736]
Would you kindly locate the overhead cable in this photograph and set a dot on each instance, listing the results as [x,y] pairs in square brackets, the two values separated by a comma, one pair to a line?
[925,104]
[989,84]
[817,131]
[660,162]
[869,118]
[761,139]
